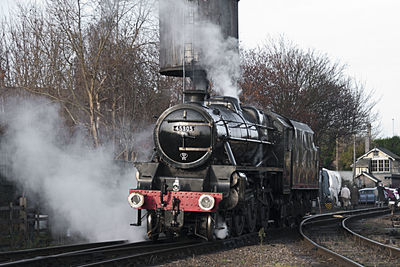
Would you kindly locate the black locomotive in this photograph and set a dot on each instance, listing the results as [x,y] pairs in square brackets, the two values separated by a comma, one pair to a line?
[217,161]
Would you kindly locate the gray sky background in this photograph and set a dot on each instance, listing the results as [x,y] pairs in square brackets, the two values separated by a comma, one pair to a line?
[362,34]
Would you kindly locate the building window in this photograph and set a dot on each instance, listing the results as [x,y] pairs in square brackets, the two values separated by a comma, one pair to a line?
[376,153]
[380,165]
[373,166]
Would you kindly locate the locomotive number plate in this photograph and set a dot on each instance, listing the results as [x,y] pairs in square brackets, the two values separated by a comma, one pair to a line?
[183,128]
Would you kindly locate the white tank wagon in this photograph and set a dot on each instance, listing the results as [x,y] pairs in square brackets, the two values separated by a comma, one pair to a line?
[330,185]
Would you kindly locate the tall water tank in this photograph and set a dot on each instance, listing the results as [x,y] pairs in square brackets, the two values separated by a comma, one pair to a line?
[180,35]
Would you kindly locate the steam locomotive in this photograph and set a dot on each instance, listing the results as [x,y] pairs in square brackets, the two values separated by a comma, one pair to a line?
[217,162]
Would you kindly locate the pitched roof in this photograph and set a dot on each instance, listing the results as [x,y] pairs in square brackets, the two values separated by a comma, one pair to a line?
[383,150]
[363,163]
[369,176]
[389,153]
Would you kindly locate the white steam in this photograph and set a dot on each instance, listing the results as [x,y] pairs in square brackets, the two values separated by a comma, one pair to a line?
[144,140]
[84,190]
[220,59]
[221,231]
[216,54]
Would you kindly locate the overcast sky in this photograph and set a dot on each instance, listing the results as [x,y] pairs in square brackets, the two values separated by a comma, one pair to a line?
[363,34]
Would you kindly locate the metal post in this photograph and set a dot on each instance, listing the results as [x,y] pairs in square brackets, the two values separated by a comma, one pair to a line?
[11,223]
[23,226]
[337,154]
[393,126]
[354,157]
[37,221]
[368,138]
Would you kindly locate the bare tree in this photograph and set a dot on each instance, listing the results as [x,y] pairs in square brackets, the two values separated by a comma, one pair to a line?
[306,86]
[98,58]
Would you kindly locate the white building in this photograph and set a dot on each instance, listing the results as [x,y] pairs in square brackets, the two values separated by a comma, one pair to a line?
[378,165]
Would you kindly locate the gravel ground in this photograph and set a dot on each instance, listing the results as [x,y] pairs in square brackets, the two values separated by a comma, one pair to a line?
[285,251]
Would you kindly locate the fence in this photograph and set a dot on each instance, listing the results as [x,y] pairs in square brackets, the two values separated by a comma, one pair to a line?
[21,227]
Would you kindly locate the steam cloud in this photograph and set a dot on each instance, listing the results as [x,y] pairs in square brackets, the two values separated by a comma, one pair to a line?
[85,191]
[219,56]
[221,231]
[221,60]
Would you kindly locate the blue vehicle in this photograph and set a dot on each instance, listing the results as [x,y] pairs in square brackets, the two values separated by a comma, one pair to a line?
[367,196]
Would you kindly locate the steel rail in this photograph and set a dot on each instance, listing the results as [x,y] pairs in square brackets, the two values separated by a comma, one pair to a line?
[392,251]
[154,257]
[29,253]
[75,258]
[129,254]
[322,219]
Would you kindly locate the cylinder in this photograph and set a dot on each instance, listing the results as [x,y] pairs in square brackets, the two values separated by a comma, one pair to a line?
[186,26]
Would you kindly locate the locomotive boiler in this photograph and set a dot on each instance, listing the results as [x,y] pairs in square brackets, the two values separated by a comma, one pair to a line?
[218,162]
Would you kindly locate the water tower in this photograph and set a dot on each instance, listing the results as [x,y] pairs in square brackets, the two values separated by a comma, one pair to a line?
[182,39]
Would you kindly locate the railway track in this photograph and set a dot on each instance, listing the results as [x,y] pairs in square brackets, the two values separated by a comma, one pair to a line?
[328,233]
[123,254]
[387,233]
[331,236]
[46,251]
